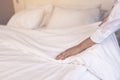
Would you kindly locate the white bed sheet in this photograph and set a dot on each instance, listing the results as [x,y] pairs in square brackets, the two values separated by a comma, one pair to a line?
[29,55]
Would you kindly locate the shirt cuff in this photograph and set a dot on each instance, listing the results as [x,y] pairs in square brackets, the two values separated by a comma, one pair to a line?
[99,36]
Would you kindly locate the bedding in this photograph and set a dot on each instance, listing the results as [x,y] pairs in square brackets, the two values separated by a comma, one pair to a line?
[29,55]
[68,17]
[31,18]
[53,16]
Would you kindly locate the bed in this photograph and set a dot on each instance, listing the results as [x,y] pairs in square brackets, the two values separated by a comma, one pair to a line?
[33,38]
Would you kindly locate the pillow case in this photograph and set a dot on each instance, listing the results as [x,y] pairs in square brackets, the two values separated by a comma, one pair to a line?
[31,18]
[64,17]
[48,10]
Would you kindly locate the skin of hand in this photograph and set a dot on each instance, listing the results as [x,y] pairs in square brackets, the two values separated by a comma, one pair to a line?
[75,50]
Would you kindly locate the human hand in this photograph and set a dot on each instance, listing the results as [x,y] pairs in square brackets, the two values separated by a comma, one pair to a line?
[67,53]
[76,49]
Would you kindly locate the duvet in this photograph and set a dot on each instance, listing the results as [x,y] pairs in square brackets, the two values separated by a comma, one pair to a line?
[30,55]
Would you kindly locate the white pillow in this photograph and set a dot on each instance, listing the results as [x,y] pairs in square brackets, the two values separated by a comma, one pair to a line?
[63,17]
[47,14]
[48,9]
[31,18]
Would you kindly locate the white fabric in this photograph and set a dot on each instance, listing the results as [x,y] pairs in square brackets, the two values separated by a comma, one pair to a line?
[47,15]
[29,19]
[29,55]
[109,27]
[32,18]
[66,17]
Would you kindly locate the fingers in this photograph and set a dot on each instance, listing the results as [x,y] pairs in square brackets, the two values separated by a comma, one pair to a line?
[61,56]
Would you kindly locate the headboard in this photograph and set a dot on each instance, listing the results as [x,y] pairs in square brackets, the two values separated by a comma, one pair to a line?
[22,4]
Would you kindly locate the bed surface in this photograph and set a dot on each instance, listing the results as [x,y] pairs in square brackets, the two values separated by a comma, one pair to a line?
[26,55]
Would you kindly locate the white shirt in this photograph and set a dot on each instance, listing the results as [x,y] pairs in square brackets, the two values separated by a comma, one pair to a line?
[110,26]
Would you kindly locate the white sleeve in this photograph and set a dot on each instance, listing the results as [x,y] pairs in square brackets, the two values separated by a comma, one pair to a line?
[105,30]
[109,27]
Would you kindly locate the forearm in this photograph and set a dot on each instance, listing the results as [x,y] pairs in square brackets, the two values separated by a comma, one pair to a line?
[76,49]
[98,36]
[84,45]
